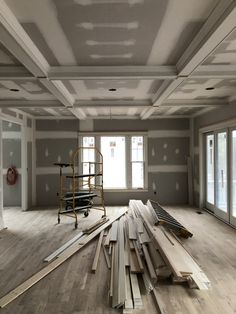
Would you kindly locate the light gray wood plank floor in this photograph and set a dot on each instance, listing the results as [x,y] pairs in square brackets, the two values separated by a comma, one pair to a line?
[74,289]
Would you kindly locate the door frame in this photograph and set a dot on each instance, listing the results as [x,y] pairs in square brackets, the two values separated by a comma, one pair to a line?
[208,205]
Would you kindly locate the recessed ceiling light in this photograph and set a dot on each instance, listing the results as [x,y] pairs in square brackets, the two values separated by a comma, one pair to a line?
[210,88]
[112,89]
[14,90]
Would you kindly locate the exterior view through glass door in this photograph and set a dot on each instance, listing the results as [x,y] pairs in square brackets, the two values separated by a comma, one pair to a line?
[221,176]
[210,176]
[233,178]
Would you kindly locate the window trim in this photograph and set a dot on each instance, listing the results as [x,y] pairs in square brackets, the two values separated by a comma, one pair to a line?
[128,136]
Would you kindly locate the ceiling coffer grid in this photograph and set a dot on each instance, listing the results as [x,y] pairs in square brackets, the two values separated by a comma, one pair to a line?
[117,58]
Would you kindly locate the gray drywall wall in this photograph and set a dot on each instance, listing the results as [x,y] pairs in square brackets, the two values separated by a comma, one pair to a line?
[225,113]
[11,156]
[168,149]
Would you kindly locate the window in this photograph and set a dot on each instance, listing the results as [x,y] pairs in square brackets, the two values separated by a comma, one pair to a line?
[137,160]
[114,163]
[123,159]
[88,157]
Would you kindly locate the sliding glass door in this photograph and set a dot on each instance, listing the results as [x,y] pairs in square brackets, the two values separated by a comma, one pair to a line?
[233,177]
[221,184]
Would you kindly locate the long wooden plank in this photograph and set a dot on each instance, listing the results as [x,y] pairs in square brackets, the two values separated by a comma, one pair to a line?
[96,225]
[138,304]
[107,241]
[121,280]
[150,266]
[114,229]
[63,247]
[107,258]
[132,229]
[53,265]
[138,256]
[97,252]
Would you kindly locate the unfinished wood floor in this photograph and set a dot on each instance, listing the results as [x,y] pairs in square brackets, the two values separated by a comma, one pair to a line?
[74,289]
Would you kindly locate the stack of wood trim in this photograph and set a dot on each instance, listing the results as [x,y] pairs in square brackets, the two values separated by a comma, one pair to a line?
[183,266]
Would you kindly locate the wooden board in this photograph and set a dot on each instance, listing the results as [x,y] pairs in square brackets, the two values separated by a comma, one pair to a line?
[150,266]
[107,258]
[107,241]
[97,252]
[56,263]
[114,229]
[132,229]
[63,247]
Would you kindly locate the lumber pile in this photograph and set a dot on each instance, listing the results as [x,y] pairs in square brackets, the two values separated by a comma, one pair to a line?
[169,249]
[136,249]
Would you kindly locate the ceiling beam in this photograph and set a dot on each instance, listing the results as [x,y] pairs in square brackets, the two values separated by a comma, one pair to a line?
[17,41]
[79,113]
[30,104]
[59,90]
[195,103]
[217,27]
[15,73]
[227,71]
[112,72]
[112,103]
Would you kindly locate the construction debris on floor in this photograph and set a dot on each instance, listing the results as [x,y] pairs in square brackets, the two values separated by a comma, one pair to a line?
[138,244]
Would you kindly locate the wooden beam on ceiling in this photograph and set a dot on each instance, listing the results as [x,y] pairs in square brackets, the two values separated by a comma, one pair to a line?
[112,72]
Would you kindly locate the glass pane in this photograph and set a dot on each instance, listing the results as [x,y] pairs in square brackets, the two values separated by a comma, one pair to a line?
[234,173]
[137,175]
[137,148]
[114,164]
[88,154]
[221,182]
[210,168]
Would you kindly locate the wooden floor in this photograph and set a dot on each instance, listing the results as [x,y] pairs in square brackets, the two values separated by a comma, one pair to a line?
[74,289]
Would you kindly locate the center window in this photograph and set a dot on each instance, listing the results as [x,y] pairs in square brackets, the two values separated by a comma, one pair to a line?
[124,164]
[114,161]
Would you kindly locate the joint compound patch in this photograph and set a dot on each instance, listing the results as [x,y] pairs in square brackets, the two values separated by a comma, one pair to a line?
[47,187]
[153,152]
[177,186]
[177,151]
[46,152]
[164,158]
[165,145]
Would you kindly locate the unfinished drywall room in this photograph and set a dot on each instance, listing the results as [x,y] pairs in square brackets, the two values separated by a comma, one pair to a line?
[117,156]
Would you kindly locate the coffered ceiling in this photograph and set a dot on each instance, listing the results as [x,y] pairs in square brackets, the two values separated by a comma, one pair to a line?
[117,58]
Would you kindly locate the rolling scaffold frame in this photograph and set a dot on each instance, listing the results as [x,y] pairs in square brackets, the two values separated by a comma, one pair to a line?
[84,187]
